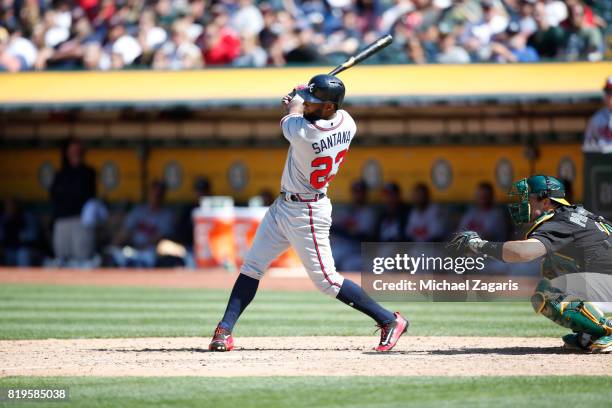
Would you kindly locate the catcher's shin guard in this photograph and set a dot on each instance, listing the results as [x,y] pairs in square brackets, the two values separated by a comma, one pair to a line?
[577,315]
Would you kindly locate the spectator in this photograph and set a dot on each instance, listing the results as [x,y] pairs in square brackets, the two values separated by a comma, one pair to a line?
[306,49]
[590,18]
[143,228]
[569,190]
[598,135]
[247,20]
[344,40]
[73,186]
[582,42]
[427,221]
[151,37]
[166,12]
[7,61]
[352,225]
[392,220]
[179,251]
[369,12]
[450,53]
[122,48]
[19,236]
[197,10]
[17,53]
[391,16]
[69,54]
[514,50]
[483,217]
[267,197]
[556,11]
[429,40]
[251,54]
[462,12]
[525,18]
[547,40]
[480,35]
[181,53]
[220,44]
[184,226]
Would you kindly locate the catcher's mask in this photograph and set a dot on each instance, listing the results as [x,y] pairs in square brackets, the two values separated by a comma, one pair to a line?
[542,186]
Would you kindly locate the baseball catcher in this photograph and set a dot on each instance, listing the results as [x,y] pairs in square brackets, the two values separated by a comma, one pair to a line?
[577,265]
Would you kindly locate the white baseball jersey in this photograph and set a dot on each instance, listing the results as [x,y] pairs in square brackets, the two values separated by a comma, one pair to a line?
[598,135]
[315,154]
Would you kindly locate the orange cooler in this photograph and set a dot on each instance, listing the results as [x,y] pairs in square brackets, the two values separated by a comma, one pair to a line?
[214,237]
[246,222]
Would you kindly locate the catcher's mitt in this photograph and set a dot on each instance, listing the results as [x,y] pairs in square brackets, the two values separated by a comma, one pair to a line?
[461,242]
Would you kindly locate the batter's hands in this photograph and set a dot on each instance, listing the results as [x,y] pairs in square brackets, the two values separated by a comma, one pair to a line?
[466,241]
[289,97]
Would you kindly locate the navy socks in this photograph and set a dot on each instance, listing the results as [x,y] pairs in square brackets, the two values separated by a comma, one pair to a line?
[351,294]
[243,292]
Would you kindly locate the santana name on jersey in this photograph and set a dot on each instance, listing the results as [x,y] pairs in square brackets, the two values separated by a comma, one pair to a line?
[332,140]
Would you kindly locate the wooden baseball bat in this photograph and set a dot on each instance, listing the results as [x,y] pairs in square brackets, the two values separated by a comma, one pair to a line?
[366,53]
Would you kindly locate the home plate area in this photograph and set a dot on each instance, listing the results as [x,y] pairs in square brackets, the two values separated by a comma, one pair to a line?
[297,356]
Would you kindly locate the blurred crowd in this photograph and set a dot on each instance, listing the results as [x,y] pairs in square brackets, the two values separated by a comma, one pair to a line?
[191,34]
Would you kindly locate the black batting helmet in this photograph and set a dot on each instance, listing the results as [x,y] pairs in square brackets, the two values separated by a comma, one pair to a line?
[324,88]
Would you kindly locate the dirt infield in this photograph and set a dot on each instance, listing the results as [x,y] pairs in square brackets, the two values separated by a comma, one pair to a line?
[278,356]
[297,356]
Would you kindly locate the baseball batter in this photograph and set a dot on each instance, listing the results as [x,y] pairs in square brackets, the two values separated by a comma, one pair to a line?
[319,133]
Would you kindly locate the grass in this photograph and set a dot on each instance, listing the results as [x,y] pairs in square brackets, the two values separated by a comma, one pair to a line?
[297,392]
[41,311]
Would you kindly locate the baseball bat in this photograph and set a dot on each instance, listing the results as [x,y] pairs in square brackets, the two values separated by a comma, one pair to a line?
[366,53]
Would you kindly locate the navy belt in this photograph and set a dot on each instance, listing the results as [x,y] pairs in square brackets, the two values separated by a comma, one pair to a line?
[302,198]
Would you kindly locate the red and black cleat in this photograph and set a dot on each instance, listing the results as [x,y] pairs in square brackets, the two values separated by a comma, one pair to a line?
[391,332]
[222,340]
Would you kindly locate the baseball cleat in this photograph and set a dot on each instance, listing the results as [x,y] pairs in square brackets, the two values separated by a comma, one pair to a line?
[577,341]
[391,332]
[222,340]
[602,345]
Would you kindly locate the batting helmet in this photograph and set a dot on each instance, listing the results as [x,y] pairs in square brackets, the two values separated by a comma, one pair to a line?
[324,88]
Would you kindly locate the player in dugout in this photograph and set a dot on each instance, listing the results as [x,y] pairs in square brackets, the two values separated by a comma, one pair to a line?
[577,266]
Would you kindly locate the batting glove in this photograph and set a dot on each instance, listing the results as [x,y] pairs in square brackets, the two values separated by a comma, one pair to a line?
[289,97]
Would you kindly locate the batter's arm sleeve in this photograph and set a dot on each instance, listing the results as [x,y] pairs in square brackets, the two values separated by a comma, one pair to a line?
[293,126]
